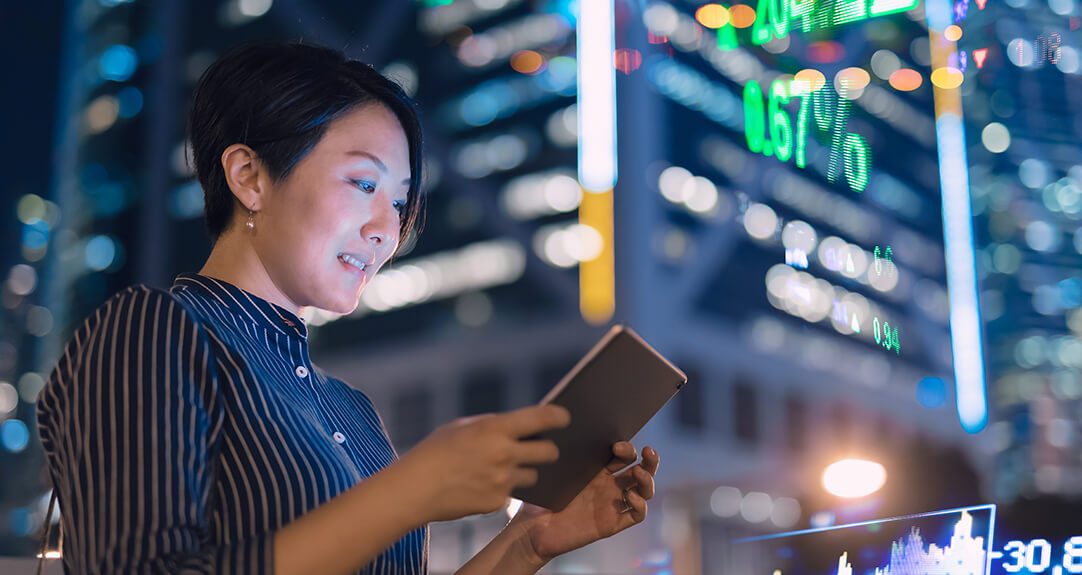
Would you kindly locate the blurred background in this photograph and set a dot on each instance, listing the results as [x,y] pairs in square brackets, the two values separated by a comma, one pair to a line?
[854,225]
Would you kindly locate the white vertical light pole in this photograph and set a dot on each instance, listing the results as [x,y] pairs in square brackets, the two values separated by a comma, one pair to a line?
[595,36]
[597,95]
[958,241]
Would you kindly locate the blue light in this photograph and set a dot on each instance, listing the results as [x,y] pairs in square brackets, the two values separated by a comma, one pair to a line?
[117,62]
[1070,293]
[100,252]
[19,519]
[14,435]
[35,234]
[130,100]
[566,9]
[489,101]
[560,76]
[932,392]
[186,201]
[108,199]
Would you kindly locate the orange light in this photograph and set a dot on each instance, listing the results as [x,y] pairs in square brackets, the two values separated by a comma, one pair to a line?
[626,60]
[712,16]
[527,62]
[742,16]
[906,80]
[953,32]
[947,78]
[857,78]
[809,80]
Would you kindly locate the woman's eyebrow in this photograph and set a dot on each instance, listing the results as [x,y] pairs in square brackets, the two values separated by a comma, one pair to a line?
[375,159]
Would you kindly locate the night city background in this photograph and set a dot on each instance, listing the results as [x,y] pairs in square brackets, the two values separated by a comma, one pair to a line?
[903,288]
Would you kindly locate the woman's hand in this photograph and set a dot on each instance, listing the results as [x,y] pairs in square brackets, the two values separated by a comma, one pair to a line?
[597,512]
[471,464]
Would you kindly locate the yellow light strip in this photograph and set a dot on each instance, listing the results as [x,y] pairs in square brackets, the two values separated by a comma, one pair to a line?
[597,277]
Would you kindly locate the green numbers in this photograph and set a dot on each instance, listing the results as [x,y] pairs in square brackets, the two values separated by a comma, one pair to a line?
[846,11]
[882,7]
[802,10]
[801,130]
[760,30]
[781,133]
[780,140]
[779,17]
[754,127]
[772,16]
[771,131]
[885,336]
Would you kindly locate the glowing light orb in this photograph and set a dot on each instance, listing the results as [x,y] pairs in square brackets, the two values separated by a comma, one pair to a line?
[852,478]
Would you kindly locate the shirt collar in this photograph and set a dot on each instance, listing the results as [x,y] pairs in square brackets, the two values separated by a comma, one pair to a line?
[245,304]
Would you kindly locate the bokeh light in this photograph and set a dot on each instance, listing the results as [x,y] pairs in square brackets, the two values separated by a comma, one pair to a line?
[117,63]
[14,435]
[947,78]
[712,16]
[741,15]
[906,80]
[852,478]
[932,392]
[527,62]
[996,138]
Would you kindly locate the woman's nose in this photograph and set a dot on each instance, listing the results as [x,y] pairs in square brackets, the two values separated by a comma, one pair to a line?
[382,225]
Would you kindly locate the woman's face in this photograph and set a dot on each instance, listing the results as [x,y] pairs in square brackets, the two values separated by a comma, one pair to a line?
[342,201]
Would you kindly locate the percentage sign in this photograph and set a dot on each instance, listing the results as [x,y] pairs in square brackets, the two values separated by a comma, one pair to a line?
[848,151]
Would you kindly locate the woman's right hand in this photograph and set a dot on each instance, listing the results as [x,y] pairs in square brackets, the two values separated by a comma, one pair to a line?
[471,464]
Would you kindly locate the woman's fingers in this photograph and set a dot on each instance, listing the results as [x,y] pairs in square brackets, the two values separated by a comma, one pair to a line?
[644,480]
[536,451]
[638,506]
[650,459]
[624,454]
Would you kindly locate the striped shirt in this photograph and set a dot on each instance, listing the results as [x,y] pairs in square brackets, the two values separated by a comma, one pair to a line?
[183,427]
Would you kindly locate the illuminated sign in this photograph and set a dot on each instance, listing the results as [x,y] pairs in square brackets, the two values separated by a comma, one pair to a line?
[1041,556]
[953,542]
[830,112]
[772,17]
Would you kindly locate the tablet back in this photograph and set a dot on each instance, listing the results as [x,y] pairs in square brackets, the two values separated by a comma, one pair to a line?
[611,394]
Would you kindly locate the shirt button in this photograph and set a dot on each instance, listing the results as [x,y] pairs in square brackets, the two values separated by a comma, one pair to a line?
[301,371]
[339,437]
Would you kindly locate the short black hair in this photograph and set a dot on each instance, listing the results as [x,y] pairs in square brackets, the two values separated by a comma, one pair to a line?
[279,98]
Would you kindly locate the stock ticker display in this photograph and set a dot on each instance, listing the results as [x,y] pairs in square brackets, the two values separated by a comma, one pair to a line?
[812,123]
[950,542]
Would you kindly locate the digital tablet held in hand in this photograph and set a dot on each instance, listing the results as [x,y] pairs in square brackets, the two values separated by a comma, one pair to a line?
[611,393]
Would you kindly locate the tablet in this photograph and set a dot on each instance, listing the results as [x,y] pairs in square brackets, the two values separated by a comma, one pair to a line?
[611,393]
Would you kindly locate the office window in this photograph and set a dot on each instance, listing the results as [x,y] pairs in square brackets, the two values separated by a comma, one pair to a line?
[483,392]
[745,411]
[412,417]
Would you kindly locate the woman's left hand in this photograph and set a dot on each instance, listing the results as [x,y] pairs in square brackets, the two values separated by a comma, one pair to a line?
[598,511]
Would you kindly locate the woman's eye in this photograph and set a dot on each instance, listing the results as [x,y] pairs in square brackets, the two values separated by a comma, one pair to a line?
[400,206]
[365,185]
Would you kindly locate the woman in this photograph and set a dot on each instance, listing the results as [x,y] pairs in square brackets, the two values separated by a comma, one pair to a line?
[188,430]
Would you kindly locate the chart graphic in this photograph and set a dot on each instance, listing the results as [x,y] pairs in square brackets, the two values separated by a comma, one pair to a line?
[952,542]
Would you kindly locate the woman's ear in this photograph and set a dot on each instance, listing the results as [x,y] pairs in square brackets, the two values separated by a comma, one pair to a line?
[243,173]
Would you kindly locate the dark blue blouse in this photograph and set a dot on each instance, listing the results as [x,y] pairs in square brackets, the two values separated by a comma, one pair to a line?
[183,428]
